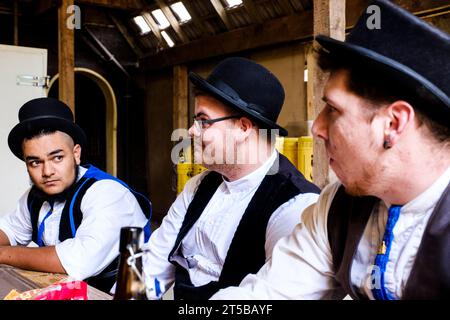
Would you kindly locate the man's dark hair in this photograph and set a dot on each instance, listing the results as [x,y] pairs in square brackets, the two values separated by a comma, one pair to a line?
[377,88]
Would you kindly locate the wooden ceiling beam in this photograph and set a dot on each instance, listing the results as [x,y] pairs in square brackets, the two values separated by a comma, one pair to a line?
[222,13]
[126,34]
[424,7]
[252,11]
[45,5]
[282,30]
[172,20]
[127,5]
[155,29]
[287,7]
[199,23]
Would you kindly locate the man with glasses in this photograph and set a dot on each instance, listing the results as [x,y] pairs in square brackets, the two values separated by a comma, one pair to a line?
[226,221]
[383,231]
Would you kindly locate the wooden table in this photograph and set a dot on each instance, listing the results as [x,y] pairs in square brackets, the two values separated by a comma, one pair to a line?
[24,280]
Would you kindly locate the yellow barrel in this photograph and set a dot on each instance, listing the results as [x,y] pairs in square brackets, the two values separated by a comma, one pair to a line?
[290,147]
[279,144]
[305,156]
[184,173]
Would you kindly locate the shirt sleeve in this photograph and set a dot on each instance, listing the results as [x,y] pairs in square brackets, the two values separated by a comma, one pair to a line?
[17,223]
[285,218]
[159,272]
[301,265]
[107,206]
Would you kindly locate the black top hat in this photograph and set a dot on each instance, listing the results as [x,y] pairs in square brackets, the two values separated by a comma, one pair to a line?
[404,48]
[43,114]
[248,87]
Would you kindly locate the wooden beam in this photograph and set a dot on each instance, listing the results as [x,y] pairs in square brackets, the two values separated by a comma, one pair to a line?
[282,30]
[285,29]
[155,29]
[127,36]
[66,57]
[286,6]
[180,97]
[16,22]
[43,6]
[311,66]
[222,13]
[196,18]
[127,5]
[329,19]
[252,11]
[172,20]
[424,7]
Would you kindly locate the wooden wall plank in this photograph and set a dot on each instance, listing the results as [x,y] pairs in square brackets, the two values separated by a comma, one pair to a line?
[66,57]
[329,19]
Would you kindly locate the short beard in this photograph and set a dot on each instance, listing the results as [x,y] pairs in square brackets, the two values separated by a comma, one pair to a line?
[364,187]
[62,196]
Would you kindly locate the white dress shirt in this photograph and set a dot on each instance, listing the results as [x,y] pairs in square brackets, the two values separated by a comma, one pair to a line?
[301,266]
[206,244]
[107,206]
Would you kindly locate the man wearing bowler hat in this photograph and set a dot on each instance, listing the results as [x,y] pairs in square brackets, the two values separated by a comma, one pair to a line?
[226,221]
[72,213]
[383,231]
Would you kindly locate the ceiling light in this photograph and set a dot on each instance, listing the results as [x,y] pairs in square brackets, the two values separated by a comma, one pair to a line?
[181,12]
[160,19]
[166,37]
[142,24]
[233,3]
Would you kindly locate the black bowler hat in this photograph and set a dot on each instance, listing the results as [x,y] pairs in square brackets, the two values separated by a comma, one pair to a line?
[406,49]
[43,114]
[248,87]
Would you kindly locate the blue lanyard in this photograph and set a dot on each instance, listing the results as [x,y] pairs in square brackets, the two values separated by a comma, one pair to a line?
[42,225]
[383,254]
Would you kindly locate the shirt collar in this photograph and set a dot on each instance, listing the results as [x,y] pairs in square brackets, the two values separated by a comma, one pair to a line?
[253,179]
[81,172]
[428,199]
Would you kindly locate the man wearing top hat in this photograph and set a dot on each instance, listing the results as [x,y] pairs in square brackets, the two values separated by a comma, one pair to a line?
[225,222]
[72,213]
[383,232]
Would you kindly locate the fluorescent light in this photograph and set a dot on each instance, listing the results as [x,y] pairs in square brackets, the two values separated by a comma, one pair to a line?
[142,24]
[305,75]
[233,3]
[160,19]
[181,12]
[167,38]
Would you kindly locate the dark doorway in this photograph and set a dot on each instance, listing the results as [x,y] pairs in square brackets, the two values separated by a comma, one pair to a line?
[90,115]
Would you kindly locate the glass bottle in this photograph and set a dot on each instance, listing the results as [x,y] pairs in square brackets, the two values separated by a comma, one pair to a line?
[130,284]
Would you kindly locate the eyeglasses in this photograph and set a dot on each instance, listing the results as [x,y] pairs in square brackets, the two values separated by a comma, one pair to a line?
[201,124]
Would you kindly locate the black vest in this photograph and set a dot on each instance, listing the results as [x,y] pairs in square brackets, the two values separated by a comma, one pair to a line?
[246,253]
[430,275]
[104,280]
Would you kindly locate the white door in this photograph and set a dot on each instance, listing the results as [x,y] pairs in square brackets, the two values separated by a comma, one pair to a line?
[18,66]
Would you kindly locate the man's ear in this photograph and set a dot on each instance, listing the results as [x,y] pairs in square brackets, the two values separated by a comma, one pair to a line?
[246,126]
[77,153]
[400,114]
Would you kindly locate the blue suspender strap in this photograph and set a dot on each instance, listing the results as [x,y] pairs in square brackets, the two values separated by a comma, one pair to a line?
[147,227]
[42,226]
[380,293]
[71,219]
